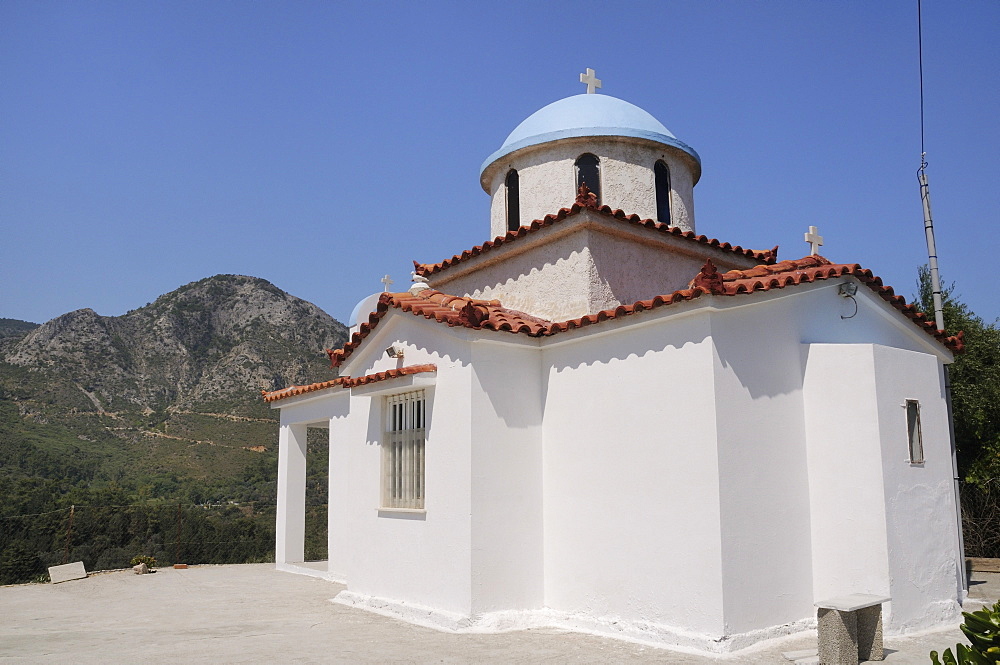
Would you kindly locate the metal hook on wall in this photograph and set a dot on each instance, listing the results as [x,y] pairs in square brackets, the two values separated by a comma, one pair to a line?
[847,290]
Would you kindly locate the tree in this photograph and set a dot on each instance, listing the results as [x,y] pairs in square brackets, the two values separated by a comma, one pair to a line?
[19,562]
[975,384]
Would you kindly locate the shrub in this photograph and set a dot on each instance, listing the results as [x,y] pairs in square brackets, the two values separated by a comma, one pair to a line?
[142,558]
[982,627]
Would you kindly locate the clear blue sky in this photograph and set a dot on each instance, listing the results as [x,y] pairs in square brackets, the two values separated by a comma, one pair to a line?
[320,145]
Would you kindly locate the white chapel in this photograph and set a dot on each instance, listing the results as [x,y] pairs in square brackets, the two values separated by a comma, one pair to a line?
[602,420]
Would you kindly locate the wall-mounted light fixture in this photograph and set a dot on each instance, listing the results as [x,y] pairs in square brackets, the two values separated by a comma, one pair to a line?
[394,351]
[848,289]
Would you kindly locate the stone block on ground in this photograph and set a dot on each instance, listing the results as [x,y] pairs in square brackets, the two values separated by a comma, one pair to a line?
[67,572]
[802,656]
[140,569]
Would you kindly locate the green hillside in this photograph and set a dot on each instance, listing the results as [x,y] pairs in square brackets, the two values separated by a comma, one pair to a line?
[160,406]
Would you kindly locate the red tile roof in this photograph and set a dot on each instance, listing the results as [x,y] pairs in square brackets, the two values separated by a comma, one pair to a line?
[491,315]
[765,278]
[346,382]
[426,269]
[292,391]
[451,310]
[354,382]
[812,268]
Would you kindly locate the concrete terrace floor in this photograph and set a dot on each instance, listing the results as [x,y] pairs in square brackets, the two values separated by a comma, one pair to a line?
[255,614]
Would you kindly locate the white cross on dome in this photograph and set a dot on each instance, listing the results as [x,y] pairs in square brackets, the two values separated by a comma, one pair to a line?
[591,80]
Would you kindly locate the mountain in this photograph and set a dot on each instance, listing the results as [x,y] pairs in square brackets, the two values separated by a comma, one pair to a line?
[15,327]
[167,395]
[215,340]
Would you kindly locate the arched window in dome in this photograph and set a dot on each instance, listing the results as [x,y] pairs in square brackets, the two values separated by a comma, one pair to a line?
[588,170]
[513,201]
[662,174]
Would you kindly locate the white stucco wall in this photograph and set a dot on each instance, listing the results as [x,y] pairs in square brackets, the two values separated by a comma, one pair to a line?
[631,481]
[554,281]
[880,524]
[628,271]
[296,416]
[340,540]
[850,550]
[507,498]
[921,522]
[547,179]
[844,405]
[864,319]
[290,524]
[763,485]
[478,546]
[804,459]
[422,559]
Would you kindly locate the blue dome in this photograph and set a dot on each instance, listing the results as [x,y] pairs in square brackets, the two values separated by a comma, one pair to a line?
[587,115]
[365,306]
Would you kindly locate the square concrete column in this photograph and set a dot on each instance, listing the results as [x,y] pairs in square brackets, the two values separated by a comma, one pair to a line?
[290,527]
[870,645]
[838,637]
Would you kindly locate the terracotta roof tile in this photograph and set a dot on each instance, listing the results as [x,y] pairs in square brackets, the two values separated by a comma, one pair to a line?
[450,310]
[479,314]
[426,269]
[292,391]
[764,278]
[812,268]
[346,382]
[354,382]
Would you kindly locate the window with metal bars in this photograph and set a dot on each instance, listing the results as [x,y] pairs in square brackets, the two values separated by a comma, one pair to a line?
[403,451]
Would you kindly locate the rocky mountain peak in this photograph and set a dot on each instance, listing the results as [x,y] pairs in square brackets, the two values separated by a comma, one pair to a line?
[220,339]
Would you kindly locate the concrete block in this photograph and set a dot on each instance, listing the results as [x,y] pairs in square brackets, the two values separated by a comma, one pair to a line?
[870,633]
[850,629]
[838,637]
[66,572]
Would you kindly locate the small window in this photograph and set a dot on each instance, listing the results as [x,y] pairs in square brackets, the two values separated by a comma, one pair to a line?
[588,170]
[662,174]
[403,451]
[513,201]
[913,433]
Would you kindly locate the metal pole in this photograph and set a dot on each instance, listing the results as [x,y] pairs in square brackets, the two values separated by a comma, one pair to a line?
[69,534]
[932,259]
[954,470]
[177,544]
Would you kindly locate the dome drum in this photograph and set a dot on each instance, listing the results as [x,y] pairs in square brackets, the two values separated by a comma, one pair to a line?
[547,179]
[628,142]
